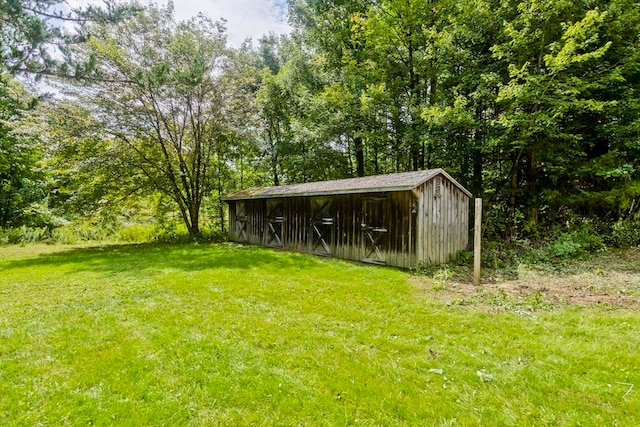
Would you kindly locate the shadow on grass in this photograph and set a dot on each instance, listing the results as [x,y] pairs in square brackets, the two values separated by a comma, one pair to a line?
[157,256]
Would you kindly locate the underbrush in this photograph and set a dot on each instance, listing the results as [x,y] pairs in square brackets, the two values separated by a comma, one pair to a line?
[558,248]
[625,234]
[503,261]
[89,232]
[522,276]
[559,251]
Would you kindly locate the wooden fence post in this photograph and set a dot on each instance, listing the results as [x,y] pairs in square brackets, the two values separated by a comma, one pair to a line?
[477,242]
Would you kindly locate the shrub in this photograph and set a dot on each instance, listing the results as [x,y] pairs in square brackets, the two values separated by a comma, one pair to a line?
[180,235]
[136,233]
[90,231]
[576,243]
[566,246]
[625,234]
[23,235]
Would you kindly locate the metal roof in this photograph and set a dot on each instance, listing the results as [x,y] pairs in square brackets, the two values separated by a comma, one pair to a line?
[403,181]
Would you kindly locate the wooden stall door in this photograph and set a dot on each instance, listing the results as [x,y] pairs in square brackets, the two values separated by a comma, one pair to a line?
[374,232]
[321,227]
[241,222]
[273,229]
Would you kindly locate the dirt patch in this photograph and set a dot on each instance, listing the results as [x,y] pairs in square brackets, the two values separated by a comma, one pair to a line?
[610,279]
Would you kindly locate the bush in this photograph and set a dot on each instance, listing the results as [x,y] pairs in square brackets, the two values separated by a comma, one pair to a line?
[23,235]
[65,235]
[136,233]
[565,246]
[625,234]
[84,232]
[576,243]
[175,235]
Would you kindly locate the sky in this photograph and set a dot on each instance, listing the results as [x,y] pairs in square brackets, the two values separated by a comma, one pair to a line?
[245,18]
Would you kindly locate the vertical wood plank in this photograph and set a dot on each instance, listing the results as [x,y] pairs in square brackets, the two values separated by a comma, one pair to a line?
[419,219]
[429,232]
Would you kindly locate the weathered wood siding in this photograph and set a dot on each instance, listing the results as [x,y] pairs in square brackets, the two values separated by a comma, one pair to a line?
[401,228]
[378,228]
[443,227]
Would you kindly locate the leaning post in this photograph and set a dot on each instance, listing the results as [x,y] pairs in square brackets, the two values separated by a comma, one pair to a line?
[477,242]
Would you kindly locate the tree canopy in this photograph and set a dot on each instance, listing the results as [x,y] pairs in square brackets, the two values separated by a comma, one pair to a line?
[533,105]
[530,103]
[34,39]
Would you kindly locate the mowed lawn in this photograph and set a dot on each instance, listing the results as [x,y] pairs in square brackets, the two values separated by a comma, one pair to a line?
[229,335]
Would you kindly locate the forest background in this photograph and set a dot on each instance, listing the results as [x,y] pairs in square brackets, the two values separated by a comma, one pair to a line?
[532,105]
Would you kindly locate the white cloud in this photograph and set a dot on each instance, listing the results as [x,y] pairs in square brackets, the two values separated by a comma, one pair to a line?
[245,18]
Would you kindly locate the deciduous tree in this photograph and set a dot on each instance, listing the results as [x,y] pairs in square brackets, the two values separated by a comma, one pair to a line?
[167,95]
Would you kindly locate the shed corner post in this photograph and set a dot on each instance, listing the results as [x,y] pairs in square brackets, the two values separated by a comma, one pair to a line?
[230,212]
[477,242]
[419,219]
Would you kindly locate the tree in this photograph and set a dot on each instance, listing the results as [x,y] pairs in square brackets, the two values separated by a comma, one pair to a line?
[167,95]
[385,62]
[332,30]
[32,39]
[572,75]
[275,103]
[532,104]
[20,152]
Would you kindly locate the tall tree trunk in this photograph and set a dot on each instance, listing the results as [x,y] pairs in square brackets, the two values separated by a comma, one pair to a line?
[376,163]
[194,214]
[513,191]
[358,147]
[476,181]
[276,179]
[415,154]
[349,157]
[476,152]
[532,208]
[220,191]
[274,158]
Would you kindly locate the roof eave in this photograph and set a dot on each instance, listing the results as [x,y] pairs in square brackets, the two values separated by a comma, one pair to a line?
[231,197]
[457,184]
[319,193]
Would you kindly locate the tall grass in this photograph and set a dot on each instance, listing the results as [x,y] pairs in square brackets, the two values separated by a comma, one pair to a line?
[89,232]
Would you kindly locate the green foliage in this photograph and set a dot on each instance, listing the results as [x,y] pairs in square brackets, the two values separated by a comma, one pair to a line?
[22,189]
[529,104]
[23,235]
[169,103]
[624,233]
[77,233]
[136,233]
[575,243]
[68,234]
[566,246]
[36,34]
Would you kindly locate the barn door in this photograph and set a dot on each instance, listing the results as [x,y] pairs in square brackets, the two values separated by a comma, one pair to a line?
[274,224]
[374,233]
[241,222]
[321,227]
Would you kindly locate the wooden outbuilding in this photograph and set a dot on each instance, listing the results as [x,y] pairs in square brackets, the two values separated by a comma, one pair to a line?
[400,219]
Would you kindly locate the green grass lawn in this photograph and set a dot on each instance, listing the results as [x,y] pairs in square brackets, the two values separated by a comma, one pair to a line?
[230,335]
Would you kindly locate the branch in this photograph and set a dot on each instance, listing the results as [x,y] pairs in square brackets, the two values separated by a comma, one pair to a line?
[68,18]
